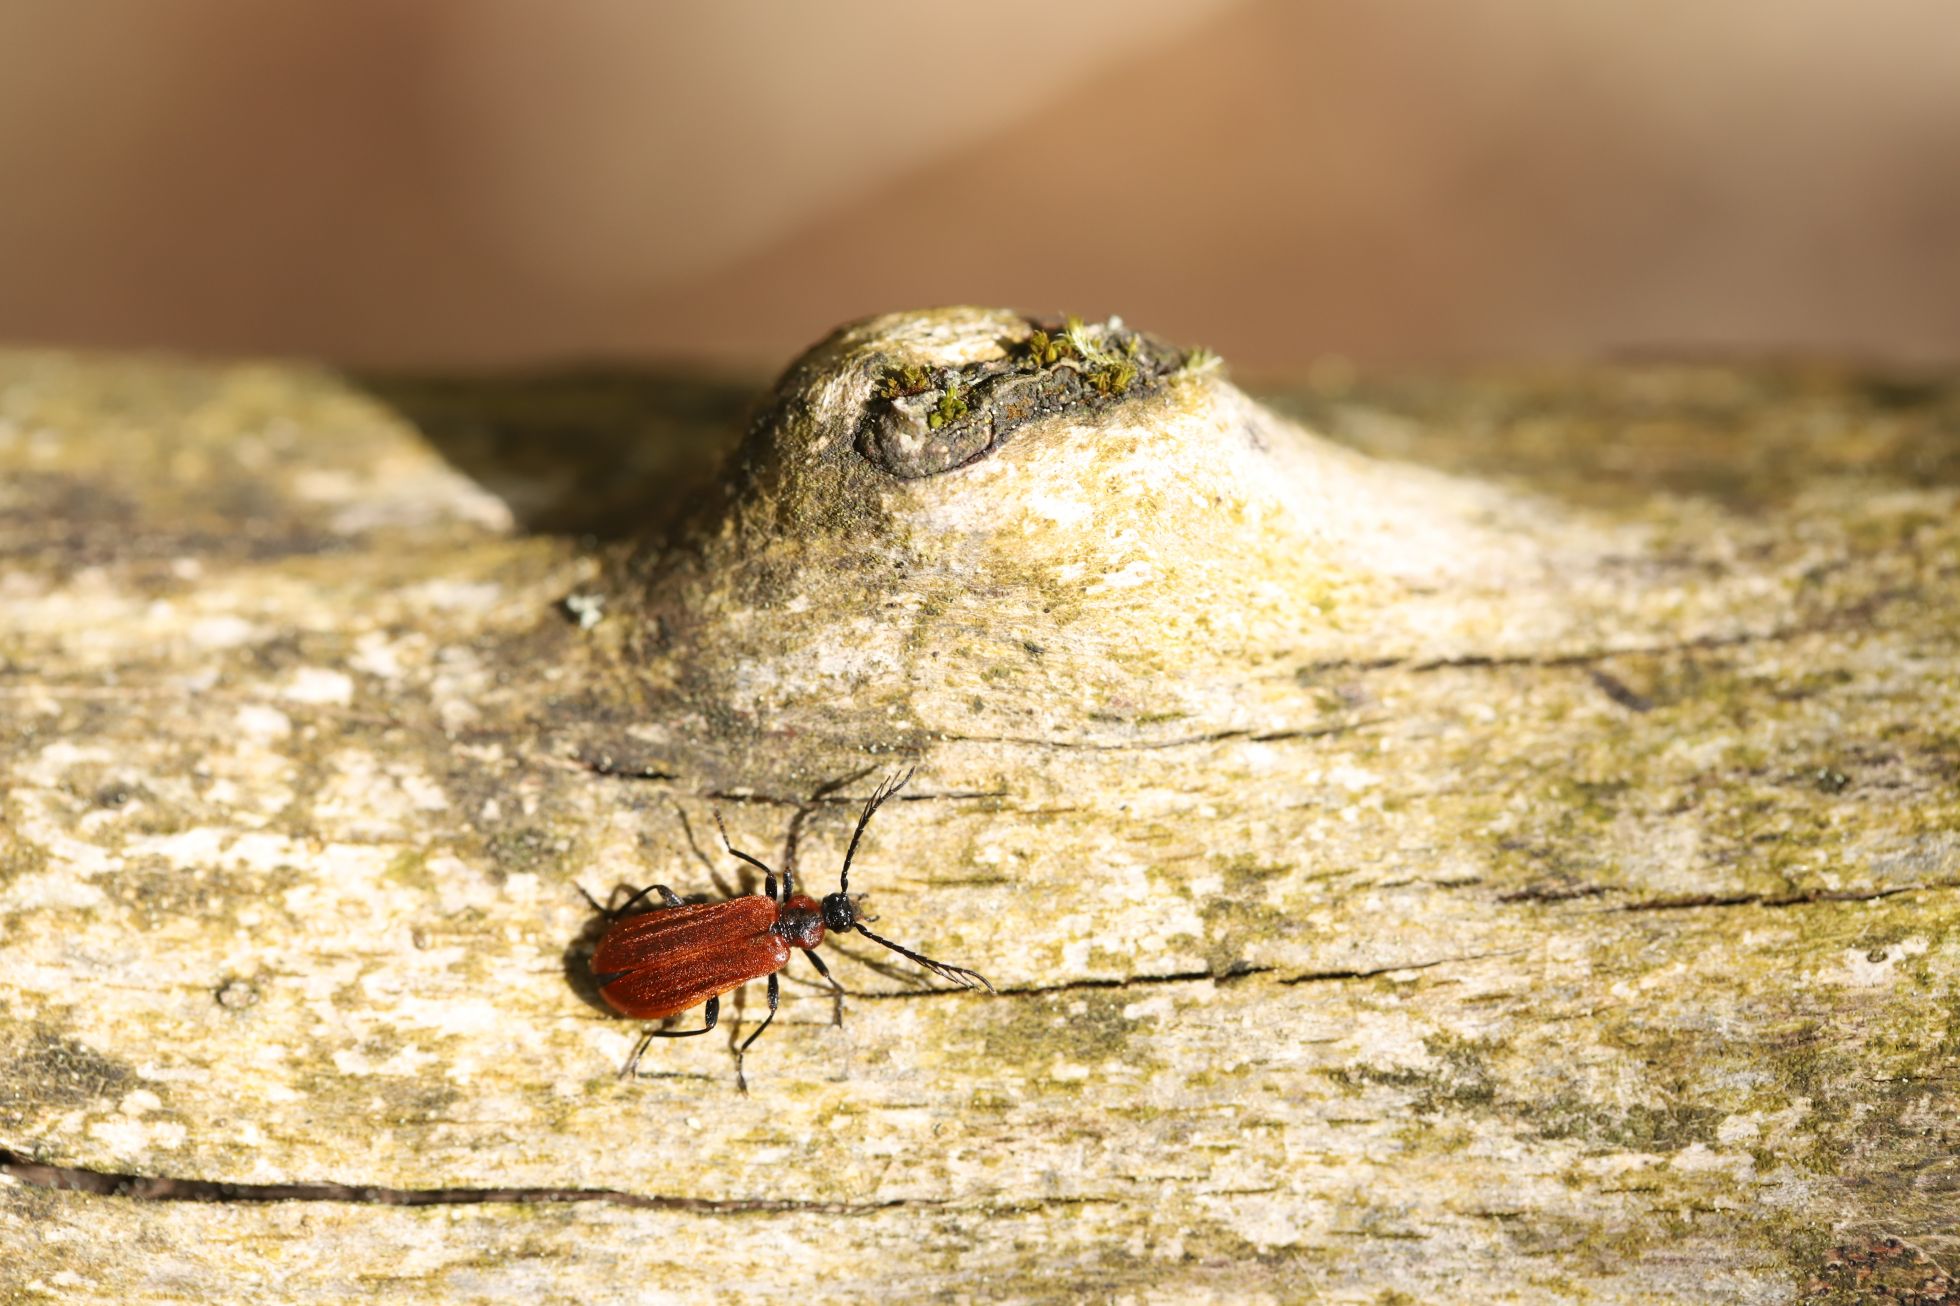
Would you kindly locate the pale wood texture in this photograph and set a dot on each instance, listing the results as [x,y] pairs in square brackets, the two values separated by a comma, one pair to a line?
[1506,853]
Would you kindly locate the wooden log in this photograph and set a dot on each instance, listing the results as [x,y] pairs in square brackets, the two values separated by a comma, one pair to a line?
[1501,847]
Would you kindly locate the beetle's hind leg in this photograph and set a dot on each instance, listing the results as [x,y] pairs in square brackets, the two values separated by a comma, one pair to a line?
[712,1011]
[775,996]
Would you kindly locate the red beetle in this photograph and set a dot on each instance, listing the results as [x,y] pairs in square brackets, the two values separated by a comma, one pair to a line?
[660,962]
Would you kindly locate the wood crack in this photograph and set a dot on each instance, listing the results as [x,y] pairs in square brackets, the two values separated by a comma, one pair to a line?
[613,769]
[164,1188]
[1158,745]
[1689,902]
[1133,981]
[1586,657]
[1323,976]
[1199,976]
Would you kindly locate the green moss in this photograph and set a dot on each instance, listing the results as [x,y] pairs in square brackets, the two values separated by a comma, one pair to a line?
[1201,359]
[1112,378]
[1041,350]
[903,380]
[951,407]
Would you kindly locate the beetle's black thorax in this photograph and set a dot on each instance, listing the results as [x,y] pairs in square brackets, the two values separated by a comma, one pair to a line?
[800,921]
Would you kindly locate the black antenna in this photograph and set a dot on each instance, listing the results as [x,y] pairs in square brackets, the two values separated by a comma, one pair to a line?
[891,785]
[959,975]
[808,805]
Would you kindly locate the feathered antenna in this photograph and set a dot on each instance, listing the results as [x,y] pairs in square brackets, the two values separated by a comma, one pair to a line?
[886,788]
[959,975]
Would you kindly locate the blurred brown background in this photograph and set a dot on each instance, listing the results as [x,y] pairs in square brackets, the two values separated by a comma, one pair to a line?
[437,182]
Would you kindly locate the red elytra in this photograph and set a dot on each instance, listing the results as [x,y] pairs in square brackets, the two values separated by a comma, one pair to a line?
[675,958]
[661,962]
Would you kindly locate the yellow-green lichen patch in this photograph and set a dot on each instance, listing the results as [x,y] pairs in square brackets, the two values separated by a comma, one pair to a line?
[19,857]
[1070,1040]
[1241,916]
[49,1073]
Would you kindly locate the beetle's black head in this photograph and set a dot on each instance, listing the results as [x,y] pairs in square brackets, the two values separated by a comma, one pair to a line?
[839,912]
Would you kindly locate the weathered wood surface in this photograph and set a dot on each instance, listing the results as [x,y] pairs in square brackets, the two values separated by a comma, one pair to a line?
[1517,865]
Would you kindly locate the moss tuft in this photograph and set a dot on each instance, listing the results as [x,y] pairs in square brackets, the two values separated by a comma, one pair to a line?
[902,381]
[952,406]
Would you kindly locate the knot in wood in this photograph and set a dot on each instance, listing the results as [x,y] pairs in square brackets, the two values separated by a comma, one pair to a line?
[921,421]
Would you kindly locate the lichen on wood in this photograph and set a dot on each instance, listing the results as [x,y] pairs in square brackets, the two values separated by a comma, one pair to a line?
[1500,846]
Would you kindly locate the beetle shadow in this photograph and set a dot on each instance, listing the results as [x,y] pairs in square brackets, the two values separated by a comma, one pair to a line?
[596,454]
[577,962]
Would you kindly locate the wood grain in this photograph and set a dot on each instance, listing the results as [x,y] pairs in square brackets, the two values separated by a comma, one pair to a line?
[1506,851]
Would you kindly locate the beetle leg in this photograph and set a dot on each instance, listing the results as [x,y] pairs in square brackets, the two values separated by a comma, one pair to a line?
[837,998]
[712,1011]
[741,1080]
[802,813]
[668,898]
[768,875]
[714,872]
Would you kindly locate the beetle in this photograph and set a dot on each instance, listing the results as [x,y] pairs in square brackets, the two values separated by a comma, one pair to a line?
[667,959]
